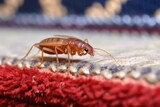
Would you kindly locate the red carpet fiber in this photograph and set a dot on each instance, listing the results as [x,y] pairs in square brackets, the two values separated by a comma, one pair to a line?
[22,87]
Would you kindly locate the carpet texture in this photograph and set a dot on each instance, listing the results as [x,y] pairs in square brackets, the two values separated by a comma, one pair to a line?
[33,87]
[87,82]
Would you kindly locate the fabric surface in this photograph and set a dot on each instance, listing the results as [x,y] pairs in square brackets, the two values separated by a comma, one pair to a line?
[92,81]
[128,48]
[36,88]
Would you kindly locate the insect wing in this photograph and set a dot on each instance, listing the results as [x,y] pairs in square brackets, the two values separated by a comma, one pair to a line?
[50,44]
[54,42]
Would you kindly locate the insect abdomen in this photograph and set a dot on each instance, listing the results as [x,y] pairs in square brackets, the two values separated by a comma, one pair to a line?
[55,40]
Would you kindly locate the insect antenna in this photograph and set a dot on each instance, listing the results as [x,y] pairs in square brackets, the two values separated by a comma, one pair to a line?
[105,55]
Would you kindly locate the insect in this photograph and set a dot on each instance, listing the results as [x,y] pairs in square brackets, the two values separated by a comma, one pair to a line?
[61,44]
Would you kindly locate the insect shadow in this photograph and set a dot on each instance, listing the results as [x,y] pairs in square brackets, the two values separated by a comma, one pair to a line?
[62,60]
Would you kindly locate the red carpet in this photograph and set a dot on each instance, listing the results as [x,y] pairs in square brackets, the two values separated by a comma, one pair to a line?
[35,88]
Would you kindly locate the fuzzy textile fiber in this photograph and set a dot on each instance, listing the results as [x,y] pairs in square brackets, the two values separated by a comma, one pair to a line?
[22,87]
[26,86]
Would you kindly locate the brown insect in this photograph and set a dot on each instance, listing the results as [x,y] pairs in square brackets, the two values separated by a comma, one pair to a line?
[61,44]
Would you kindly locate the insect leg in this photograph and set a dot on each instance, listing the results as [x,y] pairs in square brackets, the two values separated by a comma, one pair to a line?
[57,55]
[28,52]
[80,53]
[42,59]
[68,50]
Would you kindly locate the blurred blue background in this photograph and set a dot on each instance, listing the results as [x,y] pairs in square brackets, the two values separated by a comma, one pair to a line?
[129,7]
[142,15]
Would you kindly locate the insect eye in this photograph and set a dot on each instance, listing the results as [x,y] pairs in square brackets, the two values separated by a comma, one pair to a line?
[86,49]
